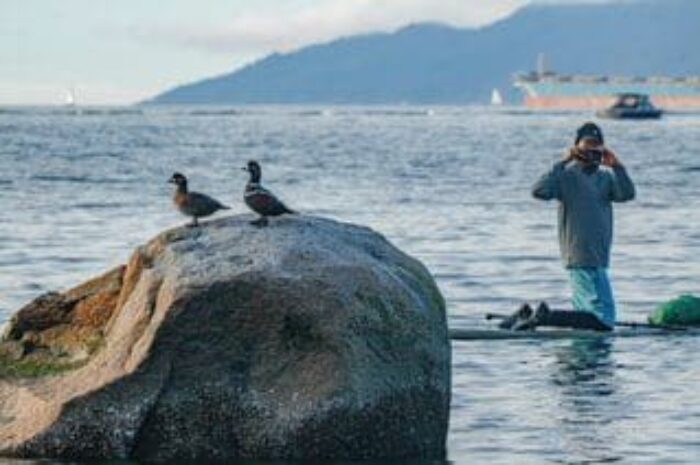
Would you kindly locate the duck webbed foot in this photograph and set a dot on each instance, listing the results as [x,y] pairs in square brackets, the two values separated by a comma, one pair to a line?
[260,222]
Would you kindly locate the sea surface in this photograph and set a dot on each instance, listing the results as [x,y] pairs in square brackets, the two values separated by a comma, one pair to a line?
[80,188]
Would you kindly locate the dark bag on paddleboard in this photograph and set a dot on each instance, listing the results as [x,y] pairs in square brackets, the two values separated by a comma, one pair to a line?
[683,311]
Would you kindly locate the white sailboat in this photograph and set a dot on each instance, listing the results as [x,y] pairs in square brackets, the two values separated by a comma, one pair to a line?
[496,98]
[69,100]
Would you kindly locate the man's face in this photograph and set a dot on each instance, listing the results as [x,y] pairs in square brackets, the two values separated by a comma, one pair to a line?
[589,143]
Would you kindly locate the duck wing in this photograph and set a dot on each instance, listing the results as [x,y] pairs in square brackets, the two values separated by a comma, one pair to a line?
[264,202]
[203,204]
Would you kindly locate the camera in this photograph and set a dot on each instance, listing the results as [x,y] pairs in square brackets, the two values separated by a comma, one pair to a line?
[594,156]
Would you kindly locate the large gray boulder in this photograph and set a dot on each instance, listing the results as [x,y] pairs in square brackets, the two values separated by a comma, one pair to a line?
[305,339]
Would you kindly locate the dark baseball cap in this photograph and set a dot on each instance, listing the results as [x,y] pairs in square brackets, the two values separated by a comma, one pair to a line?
[589,130]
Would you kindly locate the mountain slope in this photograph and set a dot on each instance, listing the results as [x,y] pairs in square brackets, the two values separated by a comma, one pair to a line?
[432,63]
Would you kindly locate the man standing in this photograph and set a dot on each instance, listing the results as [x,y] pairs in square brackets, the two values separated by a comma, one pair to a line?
[585,192]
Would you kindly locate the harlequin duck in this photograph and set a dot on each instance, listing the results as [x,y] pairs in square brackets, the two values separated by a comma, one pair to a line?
[259,199]
[193,204]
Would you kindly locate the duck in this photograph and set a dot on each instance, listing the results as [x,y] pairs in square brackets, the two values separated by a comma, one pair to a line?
[259,199]
[193,204]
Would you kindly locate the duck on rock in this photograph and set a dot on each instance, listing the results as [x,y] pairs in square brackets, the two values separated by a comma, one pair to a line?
[193,204]
[259,199]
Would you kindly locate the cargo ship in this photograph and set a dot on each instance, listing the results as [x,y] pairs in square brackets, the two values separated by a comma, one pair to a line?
[549,90]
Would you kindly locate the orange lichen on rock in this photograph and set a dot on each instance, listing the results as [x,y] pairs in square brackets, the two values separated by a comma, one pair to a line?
[66,325]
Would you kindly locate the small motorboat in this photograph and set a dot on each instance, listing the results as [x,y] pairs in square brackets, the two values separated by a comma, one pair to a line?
[631,106]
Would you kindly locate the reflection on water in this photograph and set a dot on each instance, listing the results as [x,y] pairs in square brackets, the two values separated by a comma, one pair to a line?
[584,376]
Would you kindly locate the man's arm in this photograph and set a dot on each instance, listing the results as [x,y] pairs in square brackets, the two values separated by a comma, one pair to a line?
[548,187]
[622,189]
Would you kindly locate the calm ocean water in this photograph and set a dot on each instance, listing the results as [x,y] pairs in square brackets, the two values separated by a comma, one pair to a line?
[449,185]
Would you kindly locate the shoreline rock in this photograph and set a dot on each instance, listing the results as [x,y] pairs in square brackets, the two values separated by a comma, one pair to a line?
[306,339]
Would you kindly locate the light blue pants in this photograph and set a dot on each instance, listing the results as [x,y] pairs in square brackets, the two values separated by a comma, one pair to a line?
[592,292]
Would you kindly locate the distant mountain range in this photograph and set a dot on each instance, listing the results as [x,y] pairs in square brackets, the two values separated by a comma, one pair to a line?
[435,63]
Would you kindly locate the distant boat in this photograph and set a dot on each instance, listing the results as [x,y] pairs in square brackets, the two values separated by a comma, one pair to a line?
[631,106]
[496,98]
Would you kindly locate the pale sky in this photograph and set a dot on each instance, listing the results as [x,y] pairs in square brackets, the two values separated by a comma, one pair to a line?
[123,51]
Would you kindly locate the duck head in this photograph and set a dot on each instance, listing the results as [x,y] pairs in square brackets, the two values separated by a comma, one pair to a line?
[179,180]
[253,167]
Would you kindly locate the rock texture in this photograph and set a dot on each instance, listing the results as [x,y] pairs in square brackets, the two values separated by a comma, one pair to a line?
[306,339]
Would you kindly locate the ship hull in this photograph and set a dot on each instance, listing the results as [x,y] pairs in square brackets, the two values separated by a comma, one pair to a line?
[554,91]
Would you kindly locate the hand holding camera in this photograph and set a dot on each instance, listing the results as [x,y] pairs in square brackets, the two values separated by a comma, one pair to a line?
[610,159]
[593,156]
[572,154]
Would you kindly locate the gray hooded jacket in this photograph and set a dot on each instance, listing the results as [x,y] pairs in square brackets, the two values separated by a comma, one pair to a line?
[585,209]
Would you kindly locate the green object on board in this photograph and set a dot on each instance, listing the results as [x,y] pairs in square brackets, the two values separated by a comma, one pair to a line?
[683,311]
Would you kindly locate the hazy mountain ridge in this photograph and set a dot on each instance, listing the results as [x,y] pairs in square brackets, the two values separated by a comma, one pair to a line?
[435,63]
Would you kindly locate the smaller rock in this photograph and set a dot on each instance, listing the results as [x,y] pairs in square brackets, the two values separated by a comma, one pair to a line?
[45,311]
[65,325]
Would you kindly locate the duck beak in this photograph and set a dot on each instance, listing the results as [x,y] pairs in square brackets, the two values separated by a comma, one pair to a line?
[244,168]
[171,181]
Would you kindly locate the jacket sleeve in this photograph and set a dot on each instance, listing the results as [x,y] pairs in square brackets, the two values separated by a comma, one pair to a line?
[548,187]
[622,186]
